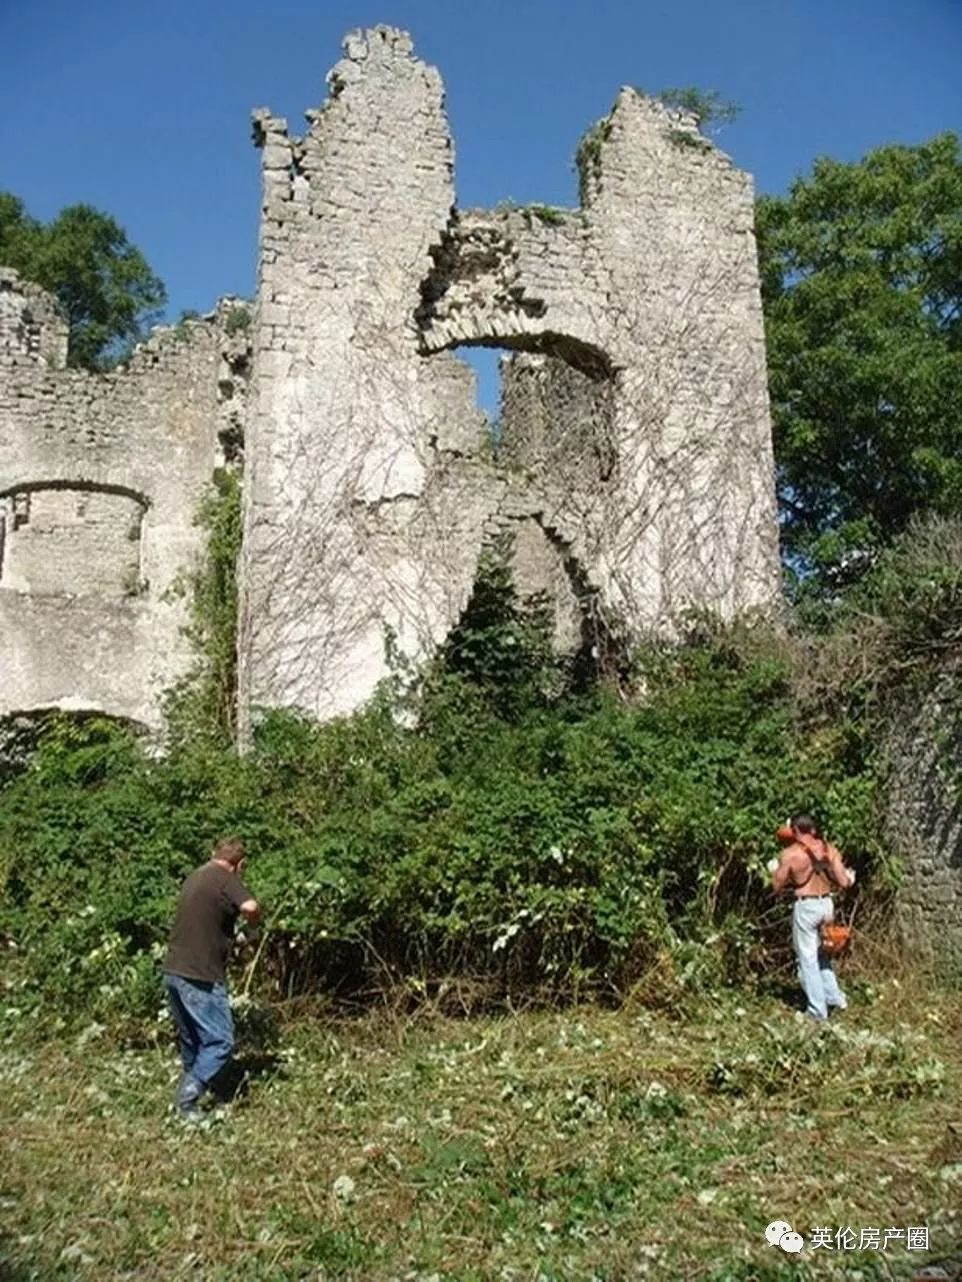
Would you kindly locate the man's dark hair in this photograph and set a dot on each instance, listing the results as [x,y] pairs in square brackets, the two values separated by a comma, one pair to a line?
[805,824]
[230,849]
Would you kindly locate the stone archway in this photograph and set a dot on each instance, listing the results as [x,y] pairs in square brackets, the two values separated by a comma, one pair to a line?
[555,462]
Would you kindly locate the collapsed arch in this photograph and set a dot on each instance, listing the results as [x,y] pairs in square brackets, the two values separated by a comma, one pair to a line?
[504,279]
[588,359]
[63,483]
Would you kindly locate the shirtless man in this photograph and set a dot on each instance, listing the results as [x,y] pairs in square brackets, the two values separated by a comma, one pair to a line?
[812,869]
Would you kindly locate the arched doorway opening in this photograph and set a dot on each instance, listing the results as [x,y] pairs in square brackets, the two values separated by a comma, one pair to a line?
[548,406]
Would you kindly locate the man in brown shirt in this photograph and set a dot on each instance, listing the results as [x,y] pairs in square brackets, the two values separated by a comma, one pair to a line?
[195,967]
[812,869]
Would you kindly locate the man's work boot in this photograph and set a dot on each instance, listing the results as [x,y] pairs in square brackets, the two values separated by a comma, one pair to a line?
[189,1091]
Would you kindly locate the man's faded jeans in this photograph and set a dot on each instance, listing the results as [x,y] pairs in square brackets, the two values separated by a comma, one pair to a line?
[205,1028]
[814,967]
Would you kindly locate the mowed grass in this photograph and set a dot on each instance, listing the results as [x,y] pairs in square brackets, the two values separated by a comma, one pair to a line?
[582,1144]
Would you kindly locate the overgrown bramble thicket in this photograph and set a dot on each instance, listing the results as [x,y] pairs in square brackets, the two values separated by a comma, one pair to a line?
[502,822]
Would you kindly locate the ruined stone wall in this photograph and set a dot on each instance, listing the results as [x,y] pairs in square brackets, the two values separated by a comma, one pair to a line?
[924,822]
[100,481]
[365,497]
[652,289]
[636,477]
[368,491]
[30,325]
[555,420]
[692,423]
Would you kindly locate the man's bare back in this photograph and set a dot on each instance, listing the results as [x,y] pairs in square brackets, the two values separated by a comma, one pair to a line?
[795,870]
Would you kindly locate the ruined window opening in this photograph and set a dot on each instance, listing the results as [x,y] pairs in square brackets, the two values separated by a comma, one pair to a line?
[546,412]
[551,431]
[72,538]
[22,730]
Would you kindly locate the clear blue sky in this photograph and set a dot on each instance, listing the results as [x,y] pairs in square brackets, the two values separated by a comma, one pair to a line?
[143,109]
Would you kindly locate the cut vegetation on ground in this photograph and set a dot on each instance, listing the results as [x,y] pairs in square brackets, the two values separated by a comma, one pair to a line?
[577,1145]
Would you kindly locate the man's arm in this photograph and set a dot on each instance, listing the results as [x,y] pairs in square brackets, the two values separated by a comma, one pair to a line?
[843,876]
[242,898]
[781,877]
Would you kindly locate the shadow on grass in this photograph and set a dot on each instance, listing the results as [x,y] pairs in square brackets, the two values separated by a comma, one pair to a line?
[233,1083]
[10,1272]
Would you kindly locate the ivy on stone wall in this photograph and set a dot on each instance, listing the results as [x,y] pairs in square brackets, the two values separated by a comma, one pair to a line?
[205,702]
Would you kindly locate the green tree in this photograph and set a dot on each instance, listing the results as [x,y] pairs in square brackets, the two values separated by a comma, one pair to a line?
[104,284]
[862,287]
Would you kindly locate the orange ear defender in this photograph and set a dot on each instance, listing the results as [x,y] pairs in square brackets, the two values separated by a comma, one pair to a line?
[785,834]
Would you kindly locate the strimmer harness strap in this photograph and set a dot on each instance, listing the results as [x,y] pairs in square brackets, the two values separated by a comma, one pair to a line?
[820,864]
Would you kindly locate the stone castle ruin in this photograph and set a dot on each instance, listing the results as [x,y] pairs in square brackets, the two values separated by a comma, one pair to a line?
[633,477]
[635,412]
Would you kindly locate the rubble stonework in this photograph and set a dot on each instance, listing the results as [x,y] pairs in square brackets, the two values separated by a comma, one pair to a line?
[101,477]
[924,821]
[369,489]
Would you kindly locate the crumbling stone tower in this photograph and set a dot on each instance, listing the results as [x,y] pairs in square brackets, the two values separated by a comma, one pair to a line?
[638,425]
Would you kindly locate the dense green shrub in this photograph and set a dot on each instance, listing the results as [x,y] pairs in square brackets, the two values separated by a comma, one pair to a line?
[568,844]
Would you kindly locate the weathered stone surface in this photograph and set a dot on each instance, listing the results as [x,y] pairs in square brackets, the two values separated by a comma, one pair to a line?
[924,822]
[31,328]
[635,476]
[100,481]
[648,477]
[365,499]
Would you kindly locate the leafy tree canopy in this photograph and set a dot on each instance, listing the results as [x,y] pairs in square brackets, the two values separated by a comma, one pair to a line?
[107,290]
[862,286]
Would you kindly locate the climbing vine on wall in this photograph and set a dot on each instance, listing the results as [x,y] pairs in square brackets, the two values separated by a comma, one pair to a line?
[205,702]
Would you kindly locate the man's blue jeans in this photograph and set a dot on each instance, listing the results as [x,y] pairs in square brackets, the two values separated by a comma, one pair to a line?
[814,967]
[205,1029]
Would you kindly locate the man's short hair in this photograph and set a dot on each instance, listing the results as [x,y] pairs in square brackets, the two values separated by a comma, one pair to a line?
[805,824]
[230,849]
